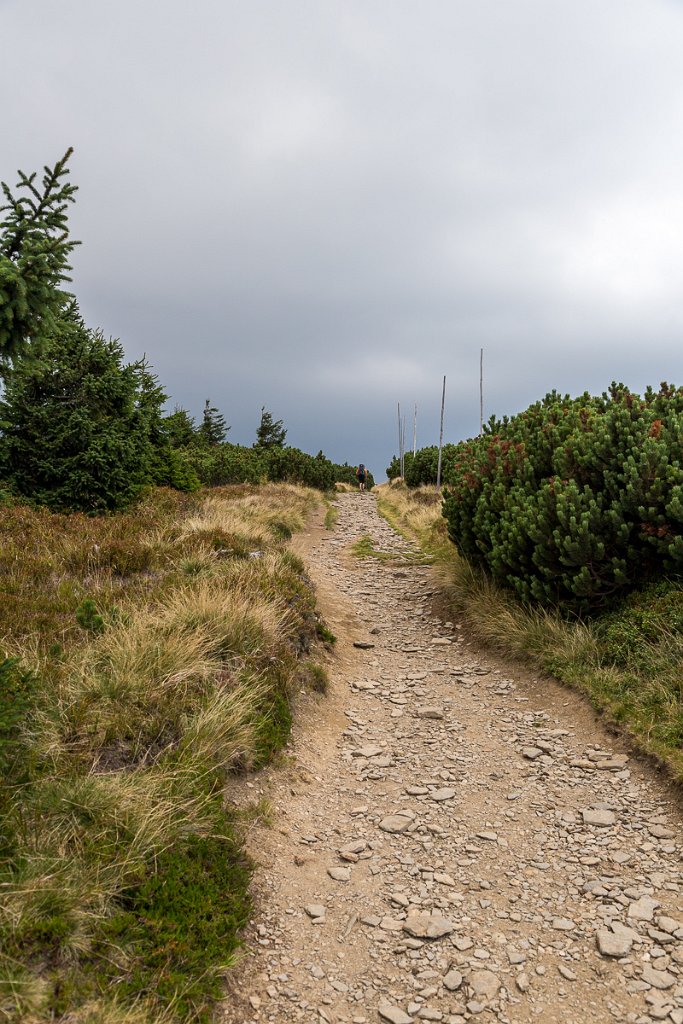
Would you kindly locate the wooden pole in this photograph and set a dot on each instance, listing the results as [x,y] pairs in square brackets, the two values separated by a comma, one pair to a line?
[438,468]
[415,430]
[481,392]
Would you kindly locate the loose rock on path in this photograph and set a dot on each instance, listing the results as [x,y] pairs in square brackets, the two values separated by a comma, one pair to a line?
[451,841]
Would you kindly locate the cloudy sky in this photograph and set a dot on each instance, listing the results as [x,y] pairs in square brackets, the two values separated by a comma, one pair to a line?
[323,206]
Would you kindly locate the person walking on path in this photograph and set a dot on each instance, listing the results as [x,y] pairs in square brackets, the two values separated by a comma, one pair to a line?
[361,476]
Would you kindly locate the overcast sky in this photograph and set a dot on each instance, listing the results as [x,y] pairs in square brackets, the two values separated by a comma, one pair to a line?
[323,206]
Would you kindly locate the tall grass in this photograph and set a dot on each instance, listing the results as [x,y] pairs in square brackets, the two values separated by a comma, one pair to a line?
[117,737]
[628,661]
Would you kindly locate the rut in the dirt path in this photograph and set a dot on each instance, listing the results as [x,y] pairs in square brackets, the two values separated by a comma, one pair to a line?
[465,848]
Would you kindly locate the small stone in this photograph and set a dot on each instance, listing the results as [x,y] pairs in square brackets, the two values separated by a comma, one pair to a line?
[491,837]
[394,1014]
[429,712]
[668,924]
[610,944]
[429,1013]
[428,926]
[531,753]
[315,910]
[255,1002]
[660,832]
[453,980]
[340,874]
[395,823]
[484,984]
[642,909]
[416,790]
[522,981]
[443,878]
[567,972]
[447,793]
[658,979]
[357,846]
[598,816]
[363,645]
[391,924]
[563,924]
[369,750]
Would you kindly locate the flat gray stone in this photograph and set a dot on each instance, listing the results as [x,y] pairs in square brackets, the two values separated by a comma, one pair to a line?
[531,753]
[599,817]
[453,980]
[660,832]
[395,823]
[428,926]
[315,910]
[484,984]
[658,979]
[447,793]
[642,909]
[369,750]
[611,944]
[563,924]
[394,1014]
[428,711]
[340,874]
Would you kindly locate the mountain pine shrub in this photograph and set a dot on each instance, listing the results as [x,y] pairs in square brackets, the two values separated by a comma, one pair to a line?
[576,499]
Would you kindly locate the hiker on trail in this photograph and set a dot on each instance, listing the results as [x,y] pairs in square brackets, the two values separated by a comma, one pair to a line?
[361,476]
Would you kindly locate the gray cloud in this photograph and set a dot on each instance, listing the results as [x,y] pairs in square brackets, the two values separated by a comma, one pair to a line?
[325,206]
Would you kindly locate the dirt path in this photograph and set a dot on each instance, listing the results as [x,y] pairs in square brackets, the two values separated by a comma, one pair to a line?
[452,843]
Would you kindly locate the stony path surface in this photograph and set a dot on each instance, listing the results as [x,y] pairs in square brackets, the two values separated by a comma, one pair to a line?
[451,842]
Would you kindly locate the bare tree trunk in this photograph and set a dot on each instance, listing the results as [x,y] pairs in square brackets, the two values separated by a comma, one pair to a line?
[438,469]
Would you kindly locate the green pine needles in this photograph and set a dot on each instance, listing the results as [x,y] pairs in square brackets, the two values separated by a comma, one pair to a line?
[574,500]
[34,258]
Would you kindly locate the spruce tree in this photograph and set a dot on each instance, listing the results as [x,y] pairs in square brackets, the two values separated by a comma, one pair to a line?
[78,425]
[179,427]
[34,258]
[213,430]
[271,433]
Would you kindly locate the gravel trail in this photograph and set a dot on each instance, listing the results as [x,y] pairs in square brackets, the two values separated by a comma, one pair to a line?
[453,840]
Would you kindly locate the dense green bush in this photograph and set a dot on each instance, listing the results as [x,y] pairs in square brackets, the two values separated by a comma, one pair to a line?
[573,500]
[235,464]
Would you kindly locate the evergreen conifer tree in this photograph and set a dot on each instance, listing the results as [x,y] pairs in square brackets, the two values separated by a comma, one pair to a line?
[271,433]
[34,258]
[179,427]
[213,430]
[78,426]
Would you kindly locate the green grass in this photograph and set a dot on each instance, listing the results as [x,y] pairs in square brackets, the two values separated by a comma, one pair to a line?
[179,929]
[123,886]
[628,661]
[331,517]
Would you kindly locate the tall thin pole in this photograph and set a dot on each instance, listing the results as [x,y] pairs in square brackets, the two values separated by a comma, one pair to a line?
[415,430]
[481,392]
[400,452]
[438,468]
[403,447]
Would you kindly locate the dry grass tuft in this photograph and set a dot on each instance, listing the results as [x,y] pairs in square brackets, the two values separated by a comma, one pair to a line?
[180,672]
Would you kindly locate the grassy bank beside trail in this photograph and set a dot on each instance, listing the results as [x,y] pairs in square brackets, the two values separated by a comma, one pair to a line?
[628,660]
[147,657]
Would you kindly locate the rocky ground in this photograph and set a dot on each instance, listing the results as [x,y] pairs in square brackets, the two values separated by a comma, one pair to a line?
[453,840]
